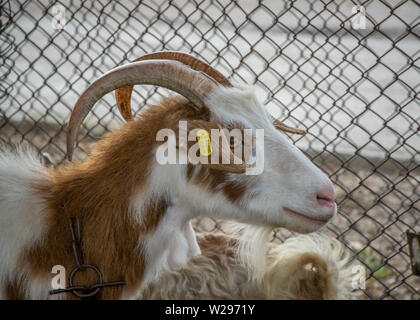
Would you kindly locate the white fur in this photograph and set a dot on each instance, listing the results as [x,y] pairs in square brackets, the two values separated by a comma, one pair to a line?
[170,245]
[173,241]
[22,213]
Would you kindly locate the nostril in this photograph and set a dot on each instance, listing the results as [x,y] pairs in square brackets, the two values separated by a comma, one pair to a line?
[326,197]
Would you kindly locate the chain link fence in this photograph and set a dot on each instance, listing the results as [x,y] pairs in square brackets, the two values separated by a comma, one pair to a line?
[347,71]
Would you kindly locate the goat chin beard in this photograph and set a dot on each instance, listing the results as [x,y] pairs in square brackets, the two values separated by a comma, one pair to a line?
[253,246]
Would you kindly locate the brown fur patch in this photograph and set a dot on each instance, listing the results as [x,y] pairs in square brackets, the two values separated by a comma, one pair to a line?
[217,242]
[212,245]
[98,192]
[216,180]
[311,277]
[14,290]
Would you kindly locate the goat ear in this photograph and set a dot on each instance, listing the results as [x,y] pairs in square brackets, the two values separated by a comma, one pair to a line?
[283,127]
[221,146]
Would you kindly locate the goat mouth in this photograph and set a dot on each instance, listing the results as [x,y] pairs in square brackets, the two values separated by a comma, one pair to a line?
[318,220]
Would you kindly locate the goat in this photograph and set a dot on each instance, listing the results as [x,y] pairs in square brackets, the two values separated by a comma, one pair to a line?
[303,267]
[135,212]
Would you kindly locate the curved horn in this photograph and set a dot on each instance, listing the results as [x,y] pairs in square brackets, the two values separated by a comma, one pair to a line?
[123,95]
[173,75]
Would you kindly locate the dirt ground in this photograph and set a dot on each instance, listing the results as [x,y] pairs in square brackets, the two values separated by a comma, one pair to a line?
[378,202]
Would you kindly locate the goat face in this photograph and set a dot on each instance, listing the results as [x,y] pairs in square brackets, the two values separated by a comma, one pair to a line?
[289,192]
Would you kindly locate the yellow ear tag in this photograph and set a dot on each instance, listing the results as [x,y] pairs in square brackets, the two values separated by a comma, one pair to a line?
[204,142]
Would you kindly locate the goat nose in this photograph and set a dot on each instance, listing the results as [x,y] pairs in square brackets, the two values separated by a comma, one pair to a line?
[326,196]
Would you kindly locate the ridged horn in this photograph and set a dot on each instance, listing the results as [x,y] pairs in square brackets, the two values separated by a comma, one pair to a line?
[173,75]
[123,95]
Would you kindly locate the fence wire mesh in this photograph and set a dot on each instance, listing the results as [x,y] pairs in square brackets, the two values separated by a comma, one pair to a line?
[347,71]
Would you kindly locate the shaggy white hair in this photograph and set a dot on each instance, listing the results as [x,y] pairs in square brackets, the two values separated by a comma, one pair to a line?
[310,266]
